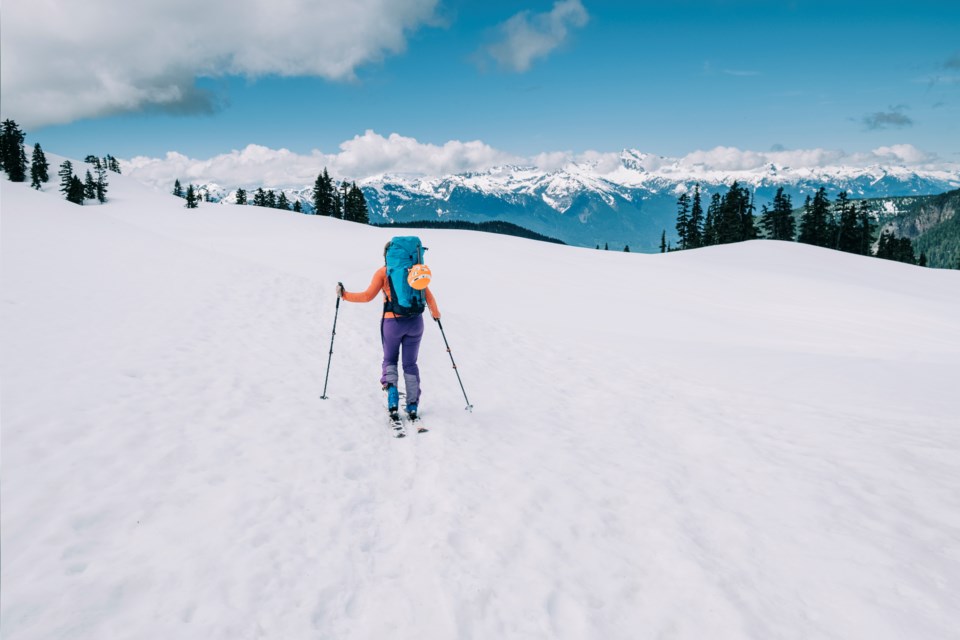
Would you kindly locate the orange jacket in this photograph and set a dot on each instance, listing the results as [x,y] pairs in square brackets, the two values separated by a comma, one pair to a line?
[379,283]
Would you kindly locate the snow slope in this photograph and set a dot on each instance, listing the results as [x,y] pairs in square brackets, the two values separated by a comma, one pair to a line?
[676,446]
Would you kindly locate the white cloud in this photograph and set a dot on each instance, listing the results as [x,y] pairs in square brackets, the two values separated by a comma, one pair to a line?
[528,36]
[362,156]
[372,154]
[734,159]
[64,61]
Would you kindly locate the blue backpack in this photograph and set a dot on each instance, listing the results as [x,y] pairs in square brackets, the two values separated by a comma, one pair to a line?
[403,252]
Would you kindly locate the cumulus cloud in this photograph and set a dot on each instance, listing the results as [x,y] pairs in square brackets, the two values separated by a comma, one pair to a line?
[528,36]
[372,154]
[64,61]
[360,157]
[894,118]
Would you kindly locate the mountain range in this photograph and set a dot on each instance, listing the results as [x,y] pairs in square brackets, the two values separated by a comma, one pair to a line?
[587,204]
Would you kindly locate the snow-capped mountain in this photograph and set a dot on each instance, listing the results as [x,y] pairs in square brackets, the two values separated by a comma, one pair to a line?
[631,202]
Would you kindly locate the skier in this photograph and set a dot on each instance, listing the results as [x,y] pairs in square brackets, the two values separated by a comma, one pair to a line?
[396,332]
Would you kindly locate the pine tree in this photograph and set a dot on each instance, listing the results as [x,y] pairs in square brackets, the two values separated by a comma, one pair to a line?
[695,225]
[282,202]
[923,259]
[192,197]
[355,205]
[663,242]
[626,248]
[92,159]
[606,246]
[683,218]
[297,207]
[323,195]
[710,234]
[241,196]
[39,167]
[101,186]
[337,202]
[784,224]
[848,233]
[12,154]
[767,222]
[815,223]
[891,247]
[89,187]
[259,198]
[177,188]
[66,174]
[748,226]
[866,228]
[735,208]
[270,200]
[112,163]
[75,190]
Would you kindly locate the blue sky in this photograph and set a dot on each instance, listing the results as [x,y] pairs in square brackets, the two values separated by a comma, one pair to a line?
[668,78]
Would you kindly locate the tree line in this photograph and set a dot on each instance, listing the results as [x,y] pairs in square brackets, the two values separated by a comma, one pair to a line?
[344,200]
[843,224]
[13,160]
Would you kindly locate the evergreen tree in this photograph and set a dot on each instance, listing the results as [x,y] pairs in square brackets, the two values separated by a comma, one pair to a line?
[866,228]
[848,232]
[193,199]
[626,248]
[92,159]
[270,201]
[89,187]
[282,202]
[259,198]
[177,188]
[101,186]
[923,259]
[710,235]
[663,242]
[735,209]
[784,225]
[767,222]
[891,247]
[323,195]
[606,246]
[241,196]
[355,205]
[12,154]
[695,225]
[815,223]
[75,190]
[297,207]
[748,226]
[112,163]
[337,202]
[683,218]
[66,174]
[39,167]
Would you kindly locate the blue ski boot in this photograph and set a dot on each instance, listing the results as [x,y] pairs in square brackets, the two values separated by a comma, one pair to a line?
[393,397]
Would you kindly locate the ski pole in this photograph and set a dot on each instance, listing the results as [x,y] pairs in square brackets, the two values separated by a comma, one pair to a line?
[330,357]
[469,406]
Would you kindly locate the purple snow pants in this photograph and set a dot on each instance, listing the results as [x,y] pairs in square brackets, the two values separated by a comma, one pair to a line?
[406,333]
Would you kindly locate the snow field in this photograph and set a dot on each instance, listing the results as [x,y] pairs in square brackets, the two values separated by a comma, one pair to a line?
[751,441]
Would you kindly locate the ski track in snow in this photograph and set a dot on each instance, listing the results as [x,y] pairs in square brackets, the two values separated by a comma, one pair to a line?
[169,469]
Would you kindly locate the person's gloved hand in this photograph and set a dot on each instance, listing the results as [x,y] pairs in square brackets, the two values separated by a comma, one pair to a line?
[339,289]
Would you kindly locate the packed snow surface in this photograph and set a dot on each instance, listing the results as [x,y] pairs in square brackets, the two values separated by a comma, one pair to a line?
[750,441]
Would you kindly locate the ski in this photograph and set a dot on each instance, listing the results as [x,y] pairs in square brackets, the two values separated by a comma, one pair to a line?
[415,421]
[396,424]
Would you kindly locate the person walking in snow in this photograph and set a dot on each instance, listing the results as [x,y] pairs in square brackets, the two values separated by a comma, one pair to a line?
[405,297]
